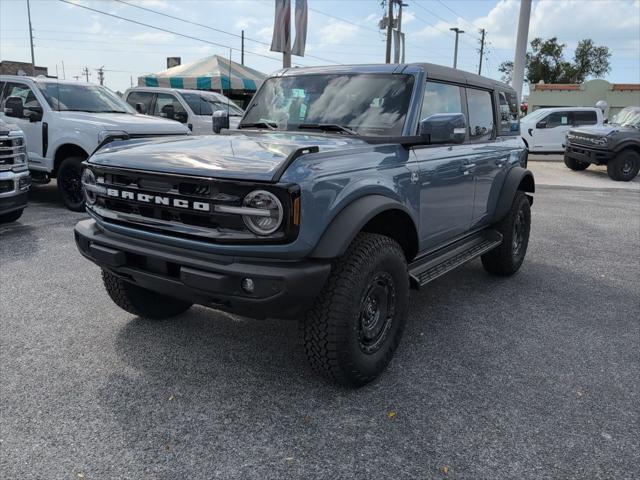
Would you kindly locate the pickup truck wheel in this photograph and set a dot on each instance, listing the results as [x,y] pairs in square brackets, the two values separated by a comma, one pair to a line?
[574,164]
[140,301]
[69,183]
[357,321]
[625,166]
[515,227]
[11,216]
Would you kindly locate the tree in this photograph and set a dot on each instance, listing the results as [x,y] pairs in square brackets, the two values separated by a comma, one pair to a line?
[546,62]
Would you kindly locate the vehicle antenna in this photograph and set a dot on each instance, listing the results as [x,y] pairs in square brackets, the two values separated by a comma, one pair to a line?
[229,92]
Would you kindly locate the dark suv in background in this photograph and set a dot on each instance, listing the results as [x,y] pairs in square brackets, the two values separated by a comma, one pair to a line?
[616,145]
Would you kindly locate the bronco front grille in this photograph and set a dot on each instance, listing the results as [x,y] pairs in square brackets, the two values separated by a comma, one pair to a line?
[185,206]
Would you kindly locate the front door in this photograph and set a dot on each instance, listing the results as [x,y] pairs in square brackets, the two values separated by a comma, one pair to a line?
[32,130]
[551,138]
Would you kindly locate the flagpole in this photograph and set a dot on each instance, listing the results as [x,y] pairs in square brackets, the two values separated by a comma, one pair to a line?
[286,55]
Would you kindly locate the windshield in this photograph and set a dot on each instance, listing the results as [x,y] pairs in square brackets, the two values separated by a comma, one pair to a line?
[82,98]
[628,117]
[206,104]
[369,104]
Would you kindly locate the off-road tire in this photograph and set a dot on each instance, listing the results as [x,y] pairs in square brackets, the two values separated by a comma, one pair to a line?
[514,227]
[625,166]
[574,164]
[333,331]
[69,183]
[11,216]
[140,301]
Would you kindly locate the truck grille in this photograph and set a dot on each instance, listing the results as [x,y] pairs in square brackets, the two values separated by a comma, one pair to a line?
[12,151]
[182,206]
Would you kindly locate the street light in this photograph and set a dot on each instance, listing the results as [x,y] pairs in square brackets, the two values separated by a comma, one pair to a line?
[455,52]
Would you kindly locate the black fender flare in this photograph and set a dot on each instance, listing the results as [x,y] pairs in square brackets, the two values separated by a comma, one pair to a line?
[518,178]
[350,221]
[627,144]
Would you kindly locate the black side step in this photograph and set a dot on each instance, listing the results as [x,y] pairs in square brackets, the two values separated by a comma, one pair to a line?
[436,264]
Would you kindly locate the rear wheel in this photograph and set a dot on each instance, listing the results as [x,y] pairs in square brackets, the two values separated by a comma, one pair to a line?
[140,301]
[11,216]
[69,183]
[515,228]
[625,166]
[574,164]
[357,321]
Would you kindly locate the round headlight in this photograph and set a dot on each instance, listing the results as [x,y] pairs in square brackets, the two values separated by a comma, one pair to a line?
[88,184]
[268,214]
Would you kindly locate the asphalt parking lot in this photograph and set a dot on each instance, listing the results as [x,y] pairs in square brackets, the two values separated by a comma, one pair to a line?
[535,376]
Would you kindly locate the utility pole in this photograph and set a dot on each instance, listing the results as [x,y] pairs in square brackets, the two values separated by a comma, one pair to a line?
[399,58]
[33,61]
[101,75]
[242,48]
[455,52]
[521,47]
[86,73]
[389,31]
[482,32]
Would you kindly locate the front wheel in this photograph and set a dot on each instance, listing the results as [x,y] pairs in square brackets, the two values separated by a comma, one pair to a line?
[625,166]
[574,164]
[70,184]
[357,321]
[140,301]
[515,227]
[11,216]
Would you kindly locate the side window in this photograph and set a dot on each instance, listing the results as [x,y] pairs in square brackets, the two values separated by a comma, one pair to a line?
[23,92]
[1,89]
[144,98]
[440,98]
[558,119]
[584,117]
[508,110]
[480,114]
[169,107]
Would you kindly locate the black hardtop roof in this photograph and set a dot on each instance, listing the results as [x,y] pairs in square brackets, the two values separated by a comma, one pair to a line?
[448,74]
[433,71]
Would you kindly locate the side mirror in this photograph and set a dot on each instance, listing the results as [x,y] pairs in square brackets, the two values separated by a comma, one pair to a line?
[34,113]
[13,107]
[219,120]
[168,111]
[182,117]
[542,124]
[444,128]
[141,108]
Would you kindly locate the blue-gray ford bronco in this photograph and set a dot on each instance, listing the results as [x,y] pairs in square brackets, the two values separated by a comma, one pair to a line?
[343,188]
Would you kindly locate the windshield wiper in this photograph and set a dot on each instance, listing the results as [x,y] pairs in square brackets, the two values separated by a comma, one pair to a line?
[327,127]
[269,125]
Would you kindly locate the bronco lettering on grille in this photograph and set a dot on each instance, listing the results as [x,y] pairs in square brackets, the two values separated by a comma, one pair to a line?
[159,200]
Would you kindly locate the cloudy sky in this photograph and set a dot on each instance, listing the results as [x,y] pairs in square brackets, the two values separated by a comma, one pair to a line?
[344,31]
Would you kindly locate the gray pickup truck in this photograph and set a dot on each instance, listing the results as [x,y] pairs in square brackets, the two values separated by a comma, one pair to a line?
[616,145]
[342,188]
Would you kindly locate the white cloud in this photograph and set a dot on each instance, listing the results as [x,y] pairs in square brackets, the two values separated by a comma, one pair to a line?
[154,37]
[336,32]
[247,22]
[407,17]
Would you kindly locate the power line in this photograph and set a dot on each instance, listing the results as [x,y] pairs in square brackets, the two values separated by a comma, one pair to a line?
[240,36]
[456,13]
[166,30]
[431,12]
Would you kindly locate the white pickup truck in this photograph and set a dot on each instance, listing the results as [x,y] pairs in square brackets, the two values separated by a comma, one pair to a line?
[65,122]
[544,130]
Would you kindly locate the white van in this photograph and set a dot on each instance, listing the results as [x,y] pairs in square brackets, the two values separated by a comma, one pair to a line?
[64,122]
[545,129]
[193,108]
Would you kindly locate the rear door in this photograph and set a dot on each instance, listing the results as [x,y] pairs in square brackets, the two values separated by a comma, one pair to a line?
[551,137]
[581,118]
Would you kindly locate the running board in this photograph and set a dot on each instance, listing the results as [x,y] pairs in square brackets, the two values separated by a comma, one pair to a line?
[436,264]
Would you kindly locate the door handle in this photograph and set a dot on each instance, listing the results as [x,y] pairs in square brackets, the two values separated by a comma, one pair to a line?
[501,161]
[467,167]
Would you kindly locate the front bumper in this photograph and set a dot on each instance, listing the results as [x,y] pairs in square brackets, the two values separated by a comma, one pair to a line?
[584,153]
[282,289]
[14,190]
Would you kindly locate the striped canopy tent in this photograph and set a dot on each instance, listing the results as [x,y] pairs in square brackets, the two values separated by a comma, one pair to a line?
[210,73]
